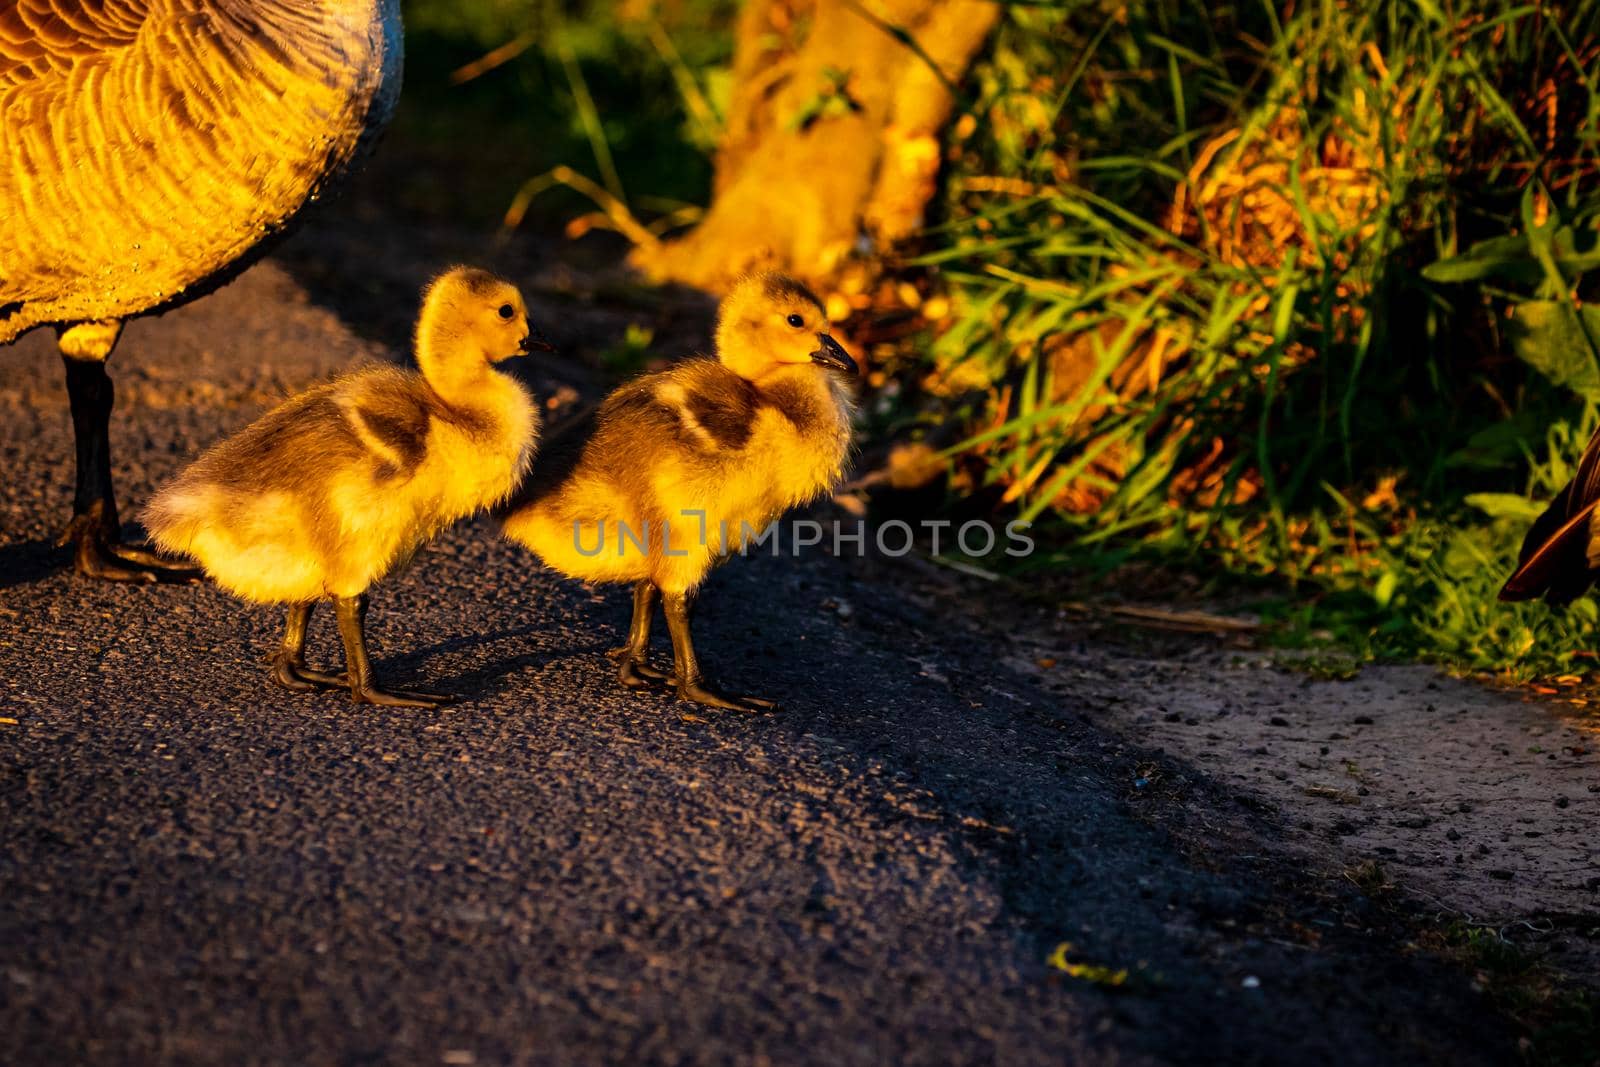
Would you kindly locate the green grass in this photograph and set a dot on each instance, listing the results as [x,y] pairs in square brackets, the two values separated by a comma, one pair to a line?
[1357,406]
[626,95]
[1560,1021]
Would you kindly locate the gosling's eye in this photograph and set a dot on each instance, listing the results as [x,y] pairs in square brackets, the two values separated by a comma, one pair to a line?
[796,321]
[506,311]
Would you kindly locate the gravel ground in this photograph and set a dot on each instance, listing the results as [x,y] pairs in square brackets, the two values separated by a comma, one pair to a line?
[197,868]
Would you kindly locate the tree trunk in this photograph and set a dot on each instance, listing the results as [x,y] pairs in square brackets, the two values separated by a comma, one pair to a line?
[832,142]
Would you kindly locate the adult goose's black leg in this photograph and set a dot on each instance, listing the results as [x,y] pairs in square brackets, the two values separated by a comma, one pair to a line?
[352,615]
[691,684]
[289,662]
[633,658]
[95,532]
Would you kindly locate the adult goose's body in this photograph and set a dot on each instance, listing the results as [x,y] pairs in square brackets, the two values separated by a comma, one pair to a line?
[146,148]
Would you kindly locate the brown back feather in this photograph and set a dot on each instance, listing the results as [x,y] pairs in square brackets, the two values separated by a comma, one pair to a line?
[614,443]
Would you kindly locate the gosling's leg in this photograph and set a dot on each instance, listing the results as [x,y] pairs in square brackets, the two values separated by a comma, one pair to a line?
[633,658]
[289,663]
[95,532]
[692,686]
[352,615]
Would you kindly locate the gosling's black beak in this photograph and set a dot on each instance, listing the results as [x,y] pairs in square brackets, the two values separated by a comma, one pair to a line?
[831,354]
[533,339]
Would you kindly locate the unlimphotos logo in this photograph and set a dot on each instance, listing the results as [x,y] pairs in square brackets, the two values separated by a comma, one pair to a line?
[895,538]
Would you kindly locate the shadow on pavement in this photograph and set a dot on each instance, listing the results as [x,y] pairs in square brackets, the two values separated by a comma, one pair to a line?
[25,562]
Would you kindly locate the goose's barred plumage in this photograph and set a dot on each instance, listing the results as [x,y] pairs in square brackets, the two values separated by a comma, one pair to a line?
[147,145]
[147,148]
[1560,557]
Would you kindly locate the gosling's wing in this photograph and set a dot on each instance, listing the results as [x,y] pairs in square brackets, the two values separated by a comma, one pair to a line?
[269,453]
[709,411]
[386,416]
[686,413]
[364,425]
[1555,559]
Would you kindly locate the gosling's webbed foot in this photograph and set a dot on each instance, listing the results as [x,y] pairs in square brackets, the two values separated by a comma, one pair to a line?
[634,671]
[324,679]
[302,679]
[399,698]
[702,693]
[95,554]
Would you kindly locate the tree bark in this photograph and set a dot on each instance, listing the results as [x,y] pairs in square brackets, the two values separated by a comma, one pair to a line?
[832,140]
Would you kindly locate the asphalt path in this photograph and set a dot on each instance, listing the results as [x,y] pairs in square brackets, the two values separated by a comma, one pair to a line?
[198,868]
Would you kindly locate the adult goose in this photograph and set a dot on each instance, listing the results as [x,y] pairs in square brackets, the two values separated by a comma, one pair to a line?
[147,149]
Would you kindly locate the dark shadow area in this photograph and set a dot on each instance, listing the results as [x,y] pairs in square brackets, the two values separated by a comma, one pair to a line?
[25,562]
[480,681]
[1047,809]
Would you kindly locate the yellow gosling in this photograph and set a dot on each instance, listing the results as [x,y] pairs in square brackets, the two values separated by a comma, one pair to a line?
[338,486]
[644,492]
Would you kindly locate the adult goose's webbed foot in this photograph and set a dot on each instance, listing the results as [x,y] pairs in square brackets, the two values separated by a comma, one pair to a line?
[97,553]
[686,677]
[352,615]
[94,532]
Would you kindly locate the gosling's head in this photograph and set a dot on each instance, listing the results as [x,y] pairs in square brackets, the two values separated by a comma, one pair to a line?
[470,315]
[769,322]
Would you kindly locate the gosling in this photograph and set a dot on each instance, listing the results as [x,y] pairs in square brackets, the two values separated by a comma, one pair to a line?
[1560,557]
[675,470]
[339,486]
